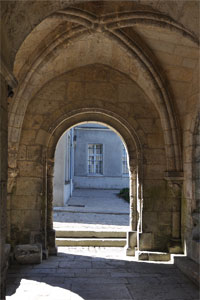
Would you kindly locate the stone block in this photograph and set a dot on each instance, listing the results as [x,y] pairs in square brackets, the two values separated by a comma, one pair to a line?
[159,256]
[33,121]
[22,152]
[42,137]
[154,256]
[189,62]
[30,168]
[179,73]
[154,171]
[174,246]
[164,218]
[28,254]
[34,153]
[27,186]
[101,91]
[143,256]
[155,140]
[25,202]
[28,136]
[131,243]
[150,221]
[146,241]
[188,52]
[75,91]
[32,219]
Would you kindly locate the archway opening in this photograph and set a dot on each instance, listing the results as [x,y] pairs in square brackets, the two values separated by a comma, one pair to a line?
[91,187]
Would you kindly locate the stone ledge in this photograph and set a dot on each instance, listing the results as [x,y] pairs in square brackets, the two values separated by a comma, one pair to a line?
[189,268]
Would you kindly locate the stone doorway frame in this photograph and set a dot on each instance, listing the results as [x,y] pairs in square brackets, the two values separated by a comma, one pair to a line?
[134,148]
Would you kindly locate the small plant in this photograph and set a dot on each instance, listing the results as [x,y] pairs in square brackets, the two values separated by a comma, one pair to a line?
[124,193]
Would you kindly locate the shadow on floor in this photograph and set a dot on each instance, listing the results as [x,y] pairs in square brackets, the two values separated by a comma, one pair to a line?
[72,276]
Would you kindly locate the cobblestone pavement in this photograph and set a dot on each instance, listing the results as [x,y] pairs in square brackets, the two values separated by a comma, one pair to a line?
[82,273]
[91,209]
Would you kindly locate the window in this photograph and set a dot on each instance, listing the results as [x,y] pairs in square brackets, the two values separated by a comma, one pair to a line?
[124,161]
[95,158]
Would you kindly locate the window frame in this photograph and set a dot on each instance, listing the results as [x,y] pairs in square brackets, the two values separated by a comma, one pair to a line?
[102,159]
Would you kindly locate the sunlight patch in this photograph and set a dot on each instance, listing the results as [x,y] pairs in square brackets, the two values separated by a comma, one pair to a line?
[34,290]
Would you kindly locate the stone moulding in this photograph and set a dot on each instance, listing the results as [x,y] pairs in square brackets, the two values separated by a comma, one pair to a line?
[128,134]
[125,19]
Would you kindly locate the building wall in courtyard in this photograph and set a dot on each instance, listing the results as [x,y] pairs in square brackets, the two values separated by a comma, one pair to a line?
[111,174]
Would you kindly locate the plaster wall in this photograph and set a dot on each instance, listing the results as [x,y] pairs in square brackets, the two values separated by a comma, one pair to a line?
[111,176]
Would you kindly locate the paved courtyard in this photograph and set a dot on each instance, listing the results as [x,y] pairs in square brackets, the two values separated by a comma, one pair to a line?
[82,273]
[90,209]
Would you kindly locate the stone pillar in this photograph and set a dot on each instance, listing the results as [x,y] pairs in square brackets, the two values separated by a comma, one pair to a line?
[175,184]
[132,235]
[7,82]
[51,243]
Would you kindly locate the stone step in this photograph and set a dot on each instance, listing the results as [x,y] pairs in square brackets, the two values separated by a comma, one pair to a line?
[89,234]
[153,256]
[93,242]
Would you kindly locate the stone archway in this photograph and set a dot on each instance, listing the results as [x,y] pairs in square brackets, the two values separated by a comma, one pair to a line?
[130,138]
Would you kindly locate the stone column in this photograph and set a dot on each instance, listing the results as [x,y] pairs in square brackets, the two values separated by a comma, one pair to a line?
[132,236]
[51,243]
[7,82]
[175,184]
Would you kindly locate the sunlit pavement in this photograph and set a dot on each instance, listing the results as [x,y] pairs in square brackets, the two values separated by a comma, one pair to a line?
[93,273]
[93,209]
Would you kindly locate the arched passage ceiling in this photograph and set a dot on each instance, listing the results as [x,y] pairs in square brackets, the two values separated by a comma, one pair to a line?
[21,17]
[90,34]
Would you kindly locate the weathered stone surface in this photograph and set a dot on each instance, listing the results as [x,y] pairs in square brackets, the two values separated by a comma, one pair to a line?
[146,241]
[28,254]
[88,272]
[154,256]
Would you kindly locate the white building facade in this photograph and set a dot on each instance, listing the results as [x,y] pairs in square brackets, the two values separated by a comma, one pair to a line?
[89,156]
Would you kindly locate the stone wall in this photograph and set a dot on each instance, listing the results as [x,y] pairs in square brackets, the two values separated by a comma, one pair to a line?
[94,86]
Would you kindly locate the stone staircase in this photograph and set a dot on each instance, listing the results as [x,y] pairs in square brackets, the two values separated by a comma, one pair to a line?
[92,238]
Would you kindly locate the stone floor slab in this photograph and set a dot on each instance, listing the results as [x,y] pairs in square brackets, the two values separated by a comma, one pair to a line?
[98,274]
